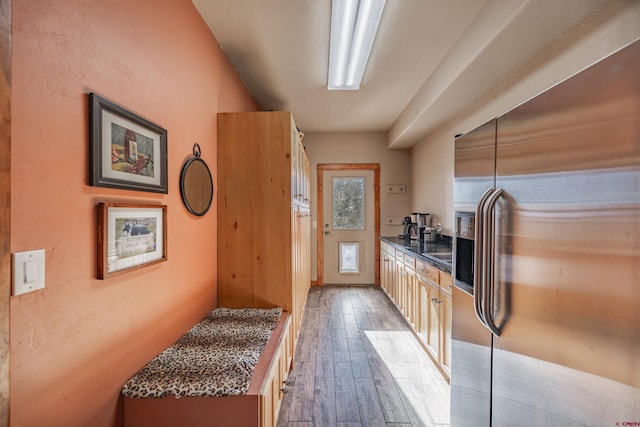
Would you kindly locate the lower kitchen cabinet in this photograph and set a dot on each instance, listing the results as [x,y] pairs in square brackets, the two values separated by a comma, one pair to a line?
[387,268]
[429,325]
[433,321]
[400,286]
[446,284]
[411,312]
[422,293]
[422,328]
[410,295]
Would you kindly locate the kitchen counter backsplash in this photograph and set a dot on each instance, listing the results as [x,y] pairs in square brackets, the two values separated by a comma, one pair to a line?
[437,253]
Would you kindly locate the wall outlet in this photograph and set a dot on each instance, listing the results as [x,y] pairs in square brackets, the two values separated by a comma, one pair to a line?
[396,188]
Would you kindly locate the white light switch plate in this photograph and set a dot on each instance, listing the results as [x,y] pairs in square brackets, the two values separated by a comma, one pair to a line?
[28,271]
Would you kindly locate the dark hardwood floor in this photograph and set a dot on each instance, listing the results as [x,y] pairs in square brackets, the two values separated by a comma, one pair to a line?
[357,363]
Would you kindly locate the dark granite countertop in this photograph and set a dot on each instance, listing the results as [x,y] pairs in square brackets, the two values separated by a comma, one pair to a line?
[437,254]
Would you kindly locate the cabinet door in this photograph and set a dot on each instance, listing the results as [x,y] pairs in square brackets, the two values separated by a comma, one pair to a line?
[388,273]
[300,258]
[294,164]
[400,285]
[305,251]
[445,318]
[266,399]
[307,179]
[277,385]
[296,261]
[290,347]
[383,271]
[393,280]
[411,296]
[433,330]
[423,308]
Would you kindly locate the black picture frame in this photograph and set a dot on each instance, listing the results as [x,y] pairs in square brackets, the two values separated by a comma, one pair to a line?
[126,151]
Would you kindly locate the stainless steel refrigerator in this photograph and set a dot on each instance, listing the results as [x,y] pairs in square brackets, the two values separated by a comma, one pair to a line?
[546,302]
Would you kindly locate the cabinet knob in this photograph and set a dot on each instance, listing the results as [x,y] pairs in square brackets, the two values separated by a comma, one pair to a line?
[284,390]
[287,382]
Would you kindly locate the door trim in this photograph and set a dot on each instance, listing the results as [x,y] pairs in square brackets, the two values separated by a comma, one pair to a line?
[5,207]
[375,167]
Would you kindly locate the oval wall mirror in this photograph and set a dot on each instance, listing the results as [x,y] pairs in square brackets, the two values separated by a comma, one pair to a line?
[196,184]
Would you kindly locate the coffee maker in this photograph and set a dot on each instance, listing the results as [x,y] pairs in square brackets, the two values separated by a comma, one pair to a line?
[407,226]
[423,222]
[413,227]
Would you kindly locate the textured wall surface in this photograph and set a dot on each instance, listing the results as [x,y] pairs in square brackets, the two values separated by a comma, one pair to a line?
[76,342]
[360,147]
[605,32]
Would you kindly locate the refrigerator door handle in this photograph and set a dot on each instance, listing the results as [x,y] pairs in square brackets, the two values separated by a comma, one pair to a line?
[478,257]
[488,260]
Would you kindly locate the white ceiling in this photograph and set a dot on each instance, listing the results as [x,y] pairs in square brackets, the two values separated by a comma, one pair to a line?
[431,59]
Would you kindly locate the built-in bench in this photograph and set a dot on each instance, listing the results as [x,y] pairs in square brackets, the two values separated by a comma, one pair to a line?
[228,370]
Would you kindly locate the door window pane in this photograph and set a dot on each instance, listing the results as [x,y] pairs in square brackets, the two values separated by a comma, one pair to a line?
[348,203]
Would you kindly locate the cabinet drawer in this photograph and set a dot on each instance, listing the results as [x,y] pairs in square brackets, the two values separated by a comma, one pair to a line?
[446,282]
[400,255]
[428,272]
[410,261]
[386,247]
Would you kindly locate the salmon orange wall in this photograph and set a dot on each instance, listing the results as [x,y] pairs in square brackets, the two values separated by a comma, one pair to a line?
[74,344]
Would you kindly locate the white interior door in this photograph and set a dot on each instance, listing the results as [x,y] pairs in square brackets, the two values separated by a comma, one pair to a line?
[348,228]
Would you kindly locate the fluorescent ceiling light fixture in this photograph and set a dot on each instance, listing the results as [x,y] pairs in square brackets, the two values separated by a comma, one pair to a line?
[354,24]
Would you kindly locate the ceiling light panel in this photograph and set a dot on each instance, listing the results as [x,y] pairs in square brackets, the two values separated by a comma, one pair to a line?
[354,24]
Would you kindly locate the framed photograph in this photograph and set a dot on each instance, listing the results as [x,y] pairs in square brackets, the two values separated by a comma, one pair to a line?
[130,236]
[126,150]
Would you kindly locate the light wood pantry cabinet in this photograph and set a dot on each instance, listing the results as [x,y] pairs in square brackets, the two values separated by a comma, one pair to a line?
[263,213]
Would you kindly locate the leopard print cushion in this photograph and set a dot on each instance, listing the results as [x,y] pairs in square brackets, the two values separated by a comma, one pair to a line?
[215,358]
